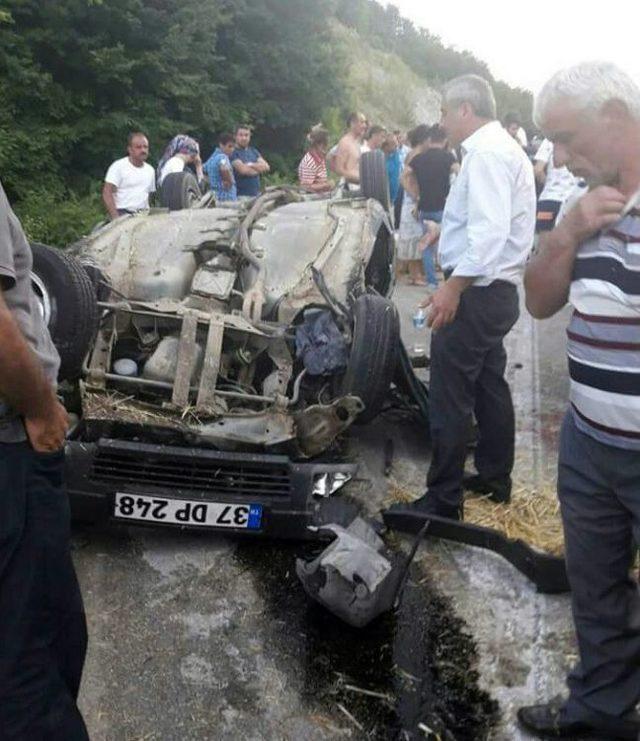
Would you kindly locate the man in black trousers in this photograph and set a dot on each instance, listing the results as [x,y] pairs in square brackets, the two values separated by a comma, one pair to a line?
[42,623]
[484,239]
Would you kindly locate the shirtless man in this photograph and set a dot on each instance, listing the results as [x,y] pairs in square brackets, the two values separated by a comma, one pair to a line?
[346,162]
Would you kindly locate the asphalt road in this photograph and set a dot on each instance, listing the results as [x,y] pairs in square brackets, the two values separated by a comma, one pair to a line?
[197,636]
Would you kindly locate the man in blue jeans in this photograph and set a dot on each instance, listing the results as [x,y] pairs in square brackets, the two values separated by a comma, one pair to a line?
[42,625]
[433,169]
[591,113]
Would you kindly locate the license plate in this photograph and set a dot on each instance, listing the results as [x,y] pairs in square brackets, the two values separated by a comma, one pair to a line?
[186,512]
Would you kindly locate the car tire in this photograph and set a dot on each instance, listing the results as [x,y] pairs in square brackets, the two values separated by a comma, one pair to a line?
[179,190]
[68,301]
[374,182]
[374,350]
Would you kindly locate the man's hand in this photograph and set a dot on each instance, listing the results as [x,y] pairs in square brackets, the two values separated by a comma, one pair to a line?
[443,304]
[262,166]
[430,237]
[108,198]
[596,210]
[46,433]
[445,301]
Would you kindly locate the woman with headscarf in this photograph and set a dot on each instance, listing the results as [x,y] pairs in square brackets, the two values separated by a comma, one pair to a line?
[181,151]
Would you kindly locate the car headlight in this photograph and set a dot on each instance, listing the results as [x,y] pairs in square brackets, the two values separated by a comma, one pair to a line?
[327,483]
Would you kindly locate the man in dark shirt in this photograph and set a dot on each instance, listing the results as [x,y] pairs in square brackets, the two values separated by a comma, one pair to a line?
[432,170]
[247,163]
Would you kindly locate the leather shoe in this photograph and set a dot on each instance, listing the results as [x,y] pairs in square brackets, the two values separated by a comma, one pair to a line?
[545,721]
[497,490]
[430,505]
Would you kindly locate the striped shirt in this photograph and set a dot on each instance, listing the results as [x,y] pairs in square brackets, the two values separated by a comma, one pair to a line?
[312,170]
[604,335]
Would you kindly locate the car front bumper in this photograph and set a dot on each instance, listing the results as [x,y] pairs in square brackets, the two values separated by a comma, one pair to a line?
[95,472]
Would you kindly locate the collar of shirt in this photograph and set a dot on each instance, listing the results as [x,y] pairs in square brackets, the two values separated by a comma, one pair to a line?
[480,137]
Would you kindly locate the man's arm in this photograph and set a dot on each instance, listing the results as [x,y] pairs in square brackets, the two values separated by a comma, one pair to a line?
[108,190]
[540,172]
[262,166]
[541,162]
[445,301]
[409,182]
[548,274]
[322,187]
[25,388]
[225,175]
[197,163]
[243,168]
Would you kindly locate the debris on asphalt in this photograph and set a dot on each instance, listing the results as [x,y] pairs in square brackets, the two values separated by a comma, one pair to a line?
[413,666]
[533,515]
[353,577]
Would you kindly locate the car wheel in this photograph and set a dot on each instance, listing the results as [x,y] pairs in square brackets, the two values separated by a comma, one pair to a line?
[374,182]
[179,190]
[67,300]
[374,349]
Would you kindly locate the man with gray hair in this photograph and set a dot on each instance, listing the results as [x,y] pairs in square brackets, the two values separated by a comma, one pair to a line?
[591,113]
[486,234]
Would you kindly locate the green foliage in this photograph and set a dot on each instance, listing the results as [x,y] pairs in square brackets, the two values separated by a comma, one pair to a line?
[48,218]
[76,76]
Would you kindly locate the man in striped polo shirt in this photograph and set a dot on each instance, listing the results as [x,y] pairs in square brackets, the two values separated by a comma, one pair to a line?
[591,113]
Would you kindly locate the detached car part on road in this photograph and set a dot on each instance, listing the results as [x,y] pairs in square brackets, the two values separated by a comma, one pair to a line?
[213,354]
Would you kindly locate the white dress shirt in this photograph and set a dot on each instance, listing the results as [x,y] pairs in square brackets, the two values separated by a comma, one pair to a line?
[489,217]
[559,182]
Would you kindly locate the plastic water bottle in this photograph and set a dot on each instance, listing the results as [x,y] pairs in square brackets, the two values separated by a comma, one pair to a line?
[419,318]
[419,321]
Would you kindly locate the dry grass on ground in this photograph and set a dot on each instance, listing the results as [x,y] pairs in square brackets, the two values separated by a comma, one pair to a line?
[533,514]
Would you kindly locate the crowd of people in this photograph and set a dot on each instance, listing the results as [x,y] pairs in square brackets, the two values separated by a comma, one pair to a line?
[469,186]
[232,171]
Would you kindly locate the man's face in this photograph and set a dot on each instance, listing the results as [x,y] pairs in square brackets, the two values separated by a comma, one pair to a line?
[359,126]
[583,141]
[512,130]
[138,150]
[390,144]
[375,141]
[243,137]
[227,148]
[453,119]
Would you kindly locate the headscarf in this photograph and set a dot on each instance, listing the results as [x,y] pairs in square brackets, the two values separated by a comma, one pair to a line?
[180,144]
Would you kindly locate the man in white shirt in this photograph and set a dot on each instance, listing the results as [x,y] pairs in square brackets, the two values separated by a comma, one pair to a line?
[486,235]
[129,180]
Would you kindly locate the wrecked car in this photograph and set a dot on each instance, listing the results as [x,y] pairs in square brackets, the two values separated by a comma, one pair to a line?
[211,355]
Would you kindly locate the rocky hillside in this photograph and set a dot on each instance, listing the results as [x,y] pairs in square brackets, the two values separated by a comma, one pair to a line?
[383,86]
